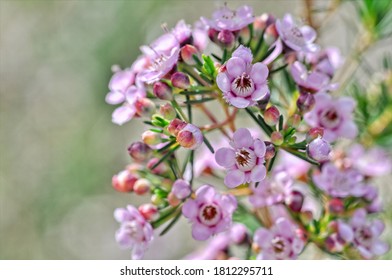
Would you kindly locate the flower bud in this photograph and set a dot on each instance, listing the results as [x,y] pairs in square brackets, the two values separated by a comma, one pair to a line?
[139,151]
[145,107]
[295,201]
[269,150]
[305,102]
[226,38]
[167,111]
[190,137]
[173,200]
[156,200]
[314,133]
[271,116]
[162,91]
[124,181]
[175,126]
[160,169]
[187,53]
[181,189]
[270,34]
[336,206]
[319,150]
[294,121]
[277,138]
[149,211]
[261,22]
[151,138]
[141,186]
[180,80]
[244,34]
[213,35]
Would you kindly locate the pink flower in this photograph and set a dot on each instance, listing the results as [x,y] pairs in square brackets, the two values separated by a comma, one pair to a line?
[135,232]
[298,38]
[334,115]
[319,150]
[272,190]
[227,19]
[244,162]
[210,212]
[310,81]
[325,61]
[367,234]
[242,83]
[340,183]
[280,242]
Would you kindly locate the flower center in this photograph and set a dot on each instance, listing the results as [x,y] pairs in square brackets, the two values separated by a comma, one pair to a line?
[364,236]
[243,85]
[246,159]
[330,118]
[210,214]
[134,231]
[279,246]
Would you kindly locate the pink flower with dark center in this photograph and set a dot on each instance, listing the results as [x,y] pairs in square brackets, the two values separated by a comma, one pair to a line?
[242,83]
[298,38]
[244,162]
[367,235]
[210,212]
[334,115]
[227,19]
[280,242]
[135,232]
[340,183]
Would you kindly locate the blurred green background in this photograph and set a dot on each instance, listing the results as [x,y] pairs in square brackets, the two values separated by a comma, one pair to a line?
[59,148]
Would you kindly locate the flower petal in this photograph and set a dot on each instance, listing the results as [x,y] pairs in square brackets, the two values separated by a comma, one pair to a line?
[309,33]
[225,157]
[258,173]
[234,178]
[260,92]
[235,66]
[242,138]
[223,82]
[122,115]
[259,73]
[114,98]
[200,232]
[190,209]
[239,102]
[259,148]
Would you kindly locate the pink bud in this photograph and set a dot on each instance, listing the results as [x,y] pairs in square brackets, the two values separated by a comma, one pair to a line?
[336,206]
[148,211]
[270,150]
[180,80]
[145,107]
[277,138]
[162,91]
[314,133]
[156,200]
[124,181]
[190,137]
[305,102]
[226,38]
[187,53]
[160,169]
[181,189]
[173,200]
[295,201]
[167,111]
[141,186]
[271,116]
[175,126]
[151,138]
[139,151]
[261,22]
[294,121]
[319,150]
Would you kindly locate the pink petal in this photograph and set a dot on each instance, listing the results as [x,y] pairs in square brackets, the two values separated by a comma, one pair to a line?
[223,82]
[278,48]
[242,138]
[258,173]
[205,193]
[346,232]
[229,203]
[234,178]
[239,102]
[299,72]
[260,92]
[309,33]
[244,53]
[284,227]
[349,130]
[380,248]
[262,237]
[259,73]
[225,157]
[190,209]
[346,104]
[200,232]
[259,148]
[114,98]
[235,66]
[122,115]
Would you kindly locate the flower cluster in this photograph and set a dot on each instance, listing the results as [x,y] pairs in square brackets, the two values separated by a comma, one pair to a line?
[273,184]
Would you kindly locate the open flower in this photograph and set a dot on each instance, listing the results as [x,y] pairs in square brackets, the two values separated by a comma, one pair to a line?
[298,38]
[135,232]
[367,234]
[210,212]
[334,115]
[227,19]
[242,83]
[280,242]
[244,162]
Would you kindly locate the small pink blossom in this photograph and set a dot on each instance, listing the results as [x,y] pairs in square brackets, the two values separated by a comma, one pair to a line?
[135,232]
[280,242]
[210,212]
[244,161]
[334,115]
[243,83]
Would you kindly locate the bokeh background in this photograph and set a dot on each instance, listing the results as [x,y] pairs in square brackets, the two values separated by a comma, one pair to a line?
[58,147]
